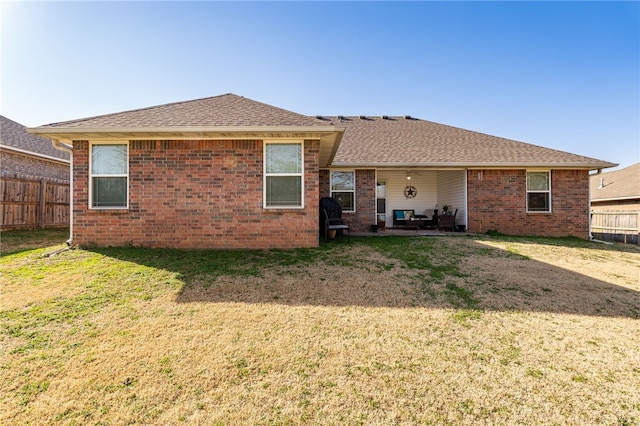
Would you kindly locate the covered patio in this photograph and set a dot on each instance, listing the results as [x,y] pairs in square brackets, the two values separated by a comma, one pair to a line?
[421,190]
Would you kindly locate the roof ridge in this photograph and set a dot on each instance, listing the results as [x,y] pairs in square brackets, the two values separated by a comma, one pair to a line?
[275,107]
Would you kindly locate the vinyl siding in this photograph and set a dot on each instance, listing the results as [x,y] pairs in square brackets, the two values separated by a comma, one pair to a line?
[451,191]
[426,184]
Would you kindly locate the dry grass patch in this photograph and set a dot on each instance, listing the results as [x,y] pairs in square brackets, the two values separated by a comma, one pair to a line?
[378,331]
[563,276]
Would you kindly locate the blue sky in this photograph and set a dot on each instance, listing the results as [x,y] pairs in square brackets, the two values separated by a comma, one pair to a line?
[564,75]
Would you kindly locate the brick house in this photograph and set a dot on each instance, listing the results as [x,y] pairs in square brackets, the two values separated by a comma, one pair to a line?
[23,155]
[229,172]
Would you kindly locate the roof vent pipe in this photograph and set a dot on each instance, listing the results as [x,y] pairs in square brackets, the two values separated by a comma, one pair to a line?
[601,183]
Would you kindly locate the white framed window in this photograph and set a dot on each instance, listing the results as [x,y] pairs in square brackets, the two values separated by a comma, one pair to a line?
[109,175]
[539,191]
[343,189]
[283,175]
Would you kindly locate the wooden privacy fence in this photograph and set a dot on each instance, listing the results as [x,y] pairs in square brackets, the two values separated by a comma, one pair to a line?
[618,226]
[33,203]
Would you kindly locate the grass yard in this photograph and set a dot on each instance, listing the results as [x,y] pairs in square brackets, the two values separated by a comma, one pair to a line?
[456,330]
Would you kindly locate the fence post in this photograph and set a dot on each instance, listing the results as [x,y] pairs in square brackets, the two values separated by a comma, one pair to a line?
[43,193]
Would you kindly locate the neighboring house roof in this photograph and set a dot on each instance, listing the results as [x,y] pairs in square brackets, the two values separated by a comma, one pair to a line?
[409,142]
[360,141]
[623,184]
[14,137]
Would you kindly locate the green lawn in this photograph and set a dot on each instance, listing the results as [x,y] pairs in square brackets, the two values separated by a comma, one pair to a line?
[447,330]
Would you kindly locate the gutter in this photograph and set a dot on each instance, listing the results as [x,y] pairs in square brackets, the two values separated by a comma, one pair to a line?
[33,154]
[69,149]
[598,172]
[475,166]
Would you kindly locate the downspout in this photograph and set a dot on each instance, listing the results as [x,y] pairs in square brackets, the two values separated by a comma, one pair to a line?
[68,148]
[466,200]
[590,216]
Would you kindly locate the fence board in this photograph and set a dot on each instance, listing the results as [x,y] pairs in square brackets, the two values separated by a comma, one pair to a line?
[33,203]
[622,226]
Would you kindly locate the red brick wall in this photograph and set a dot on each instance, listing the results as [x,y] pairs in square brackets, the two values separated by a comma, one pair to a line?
[497,201]
[196,194]
[365,214]
[325,179]
[22,166]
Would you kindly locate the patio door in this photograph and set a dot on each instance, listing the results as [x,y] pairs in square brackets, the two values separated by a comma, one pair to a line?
[381,201]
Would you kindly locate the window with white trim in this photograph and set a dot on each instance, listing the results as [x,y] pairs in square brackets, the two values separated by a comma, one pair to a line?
[343,189]
[539,192]
[109,176]
[283,175]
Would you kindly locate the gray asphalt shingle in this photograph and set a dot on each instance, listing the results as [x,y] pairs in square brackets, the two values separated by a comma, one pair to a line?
[15,135]
[400,140]
[370,141]
[623,183]
[224,111]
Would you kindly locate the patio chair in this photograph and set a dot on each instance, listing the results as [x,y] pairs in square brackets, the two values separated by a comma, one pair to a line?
[331,218]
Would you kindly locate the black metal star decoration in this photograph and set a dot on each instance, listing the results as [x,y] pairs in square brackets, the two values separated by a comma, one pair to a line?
[410,191]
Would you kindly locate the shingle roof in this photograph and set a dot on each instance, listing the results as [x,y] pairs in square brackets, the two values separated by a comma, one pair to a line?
[223,111]
[367,141]
[405,141]
[15,135]
[623,183]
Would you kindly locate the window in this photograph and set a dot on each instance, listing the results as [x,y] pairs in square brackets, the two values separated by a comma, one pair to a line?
[109,176]
[343,189]
[539,192]
[283,172]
